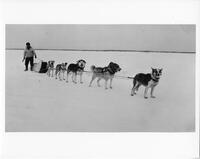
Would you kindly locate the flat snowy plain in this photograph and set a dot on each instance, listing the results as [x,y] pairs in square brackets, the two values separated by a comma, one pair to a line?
[38,103]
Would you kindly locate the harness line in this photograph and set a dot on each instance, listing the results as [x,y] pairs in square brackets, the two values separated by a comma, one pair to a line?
[117,76]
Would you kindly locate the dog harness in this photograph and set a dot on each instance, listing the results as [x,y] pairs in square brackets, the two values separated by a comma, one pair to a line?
[154,79]
[80,69]
[110,70]
[104,70]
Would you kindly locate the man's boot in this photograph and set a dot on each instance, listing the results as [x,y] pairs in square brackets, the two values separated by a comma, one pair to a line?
[26,69]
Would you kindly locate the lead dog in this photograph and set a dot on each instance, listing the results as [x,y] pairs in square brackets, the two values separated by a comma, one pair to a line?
[106,73]
[50,67]
[60,68]
[77,68]
[149,80]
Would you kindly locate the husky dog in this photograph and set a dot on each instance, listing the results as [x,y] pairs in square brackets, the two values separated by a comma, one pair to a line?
[149,80]
[60,68]
[77,68]
[50,67]
[107,73]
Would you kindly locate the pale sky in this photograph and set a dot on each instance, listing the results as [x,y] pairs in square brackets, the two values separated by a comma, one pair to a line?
[179,38]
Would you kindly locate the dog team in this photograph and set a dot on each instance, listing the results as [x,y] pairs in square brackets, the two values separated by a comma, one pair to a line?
[149,80]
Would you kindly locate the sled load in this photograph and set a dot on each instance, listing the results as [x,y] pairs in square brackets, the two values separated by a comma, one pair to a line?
[40,67]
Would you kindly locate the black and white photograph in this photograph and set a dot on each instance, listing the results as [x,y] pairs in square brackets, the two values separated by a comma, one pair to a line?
[100,78]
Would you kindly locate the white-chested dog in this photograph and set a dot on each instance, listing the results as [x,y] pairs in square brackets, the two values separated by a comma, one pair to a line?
[50,67]
[61,68]
[149,80]
[106,73]
[76,68]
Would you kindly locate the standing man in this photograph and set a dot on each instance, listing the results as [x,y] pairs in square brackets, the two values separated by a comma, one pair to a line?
[29,55]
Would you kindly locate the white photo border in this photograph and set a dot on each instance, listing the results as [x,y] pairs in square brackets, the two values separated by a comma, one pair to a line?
[99,145]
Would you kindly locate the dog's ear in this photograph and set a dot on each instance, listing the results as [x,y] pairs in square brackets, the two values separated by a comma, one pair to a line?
[110,63]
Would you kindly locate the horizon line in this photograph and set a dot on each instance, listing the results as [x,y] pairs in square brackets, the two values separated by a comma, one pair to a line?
[110,50]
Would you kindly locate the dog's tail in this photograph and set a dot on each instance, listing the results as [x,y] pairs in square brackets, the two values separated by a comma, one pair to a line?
[92,68]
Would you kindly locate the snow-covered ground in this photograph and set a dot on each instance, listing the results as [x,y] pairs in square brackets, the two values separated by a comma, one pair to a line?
[35,102]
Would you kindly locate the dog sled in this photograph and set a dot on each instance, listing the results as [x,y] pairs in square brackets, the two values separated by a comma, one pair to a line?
[40,67]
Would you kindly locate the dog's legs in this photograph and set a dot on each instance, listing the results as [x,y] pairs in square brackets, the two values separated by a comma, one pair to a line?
[60,75]
[48,72]
[56,73]
[145,92]
[67,76]
[137,87]
[111,83]
[63,75]
[133,91]
[81,74]
[106,81]
[152,89]
[98,84]
[134,88]
[52,73]
[93,77]
[72,76]
[75,77]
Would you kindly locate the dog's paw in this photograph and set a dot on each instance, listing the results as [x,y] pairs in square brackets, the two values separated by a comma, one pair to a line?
[81,82]
[153,97]
[111,87]
[131,94]
[106,88]
[145,97]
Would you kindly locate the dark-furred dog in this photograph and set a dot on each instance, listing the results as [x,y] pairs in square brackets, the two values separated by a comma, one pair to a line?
[60,68]
[76,68]
[149,80]
[50,67]
[106,73]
